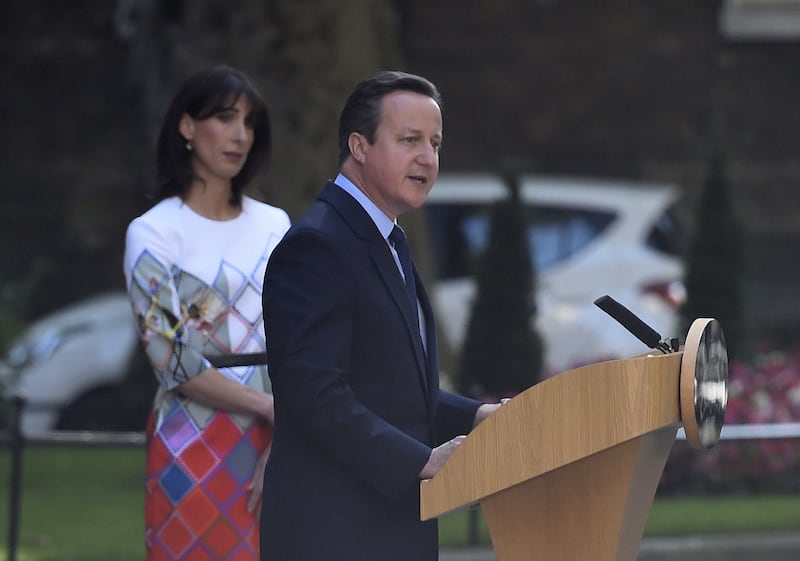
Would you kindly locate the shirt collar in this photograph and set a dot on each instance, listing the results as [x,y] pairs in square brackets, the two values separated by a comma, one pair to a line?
[383,222]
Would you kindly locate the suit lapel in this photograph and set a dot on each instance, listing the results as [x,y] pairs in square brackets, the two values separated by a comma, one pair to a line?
[381,256]
[432,346]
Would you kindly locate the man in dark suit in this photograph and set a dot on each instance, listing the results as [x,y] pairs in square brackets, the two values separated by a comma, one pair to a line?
[351,341]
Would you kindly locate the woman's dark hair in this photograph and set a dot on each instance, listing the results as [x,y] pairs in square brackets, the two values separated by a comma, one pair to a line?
[362,111]
[203,95]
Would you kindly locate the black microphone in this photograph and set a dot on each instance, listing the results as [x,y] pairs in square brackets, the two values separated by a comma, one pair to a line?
[632,323]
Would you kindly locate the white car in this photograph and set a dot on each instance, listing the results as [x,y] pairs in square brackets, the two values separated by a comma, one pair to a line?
[588,238]
[81,367]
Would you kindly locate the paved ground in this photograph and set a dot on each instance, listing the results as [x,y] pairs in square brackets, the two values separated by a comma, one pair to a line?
[740,547]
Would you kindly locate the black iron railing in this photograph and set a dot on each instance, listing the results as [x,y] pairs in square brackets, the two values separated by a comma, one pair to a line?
[17,441]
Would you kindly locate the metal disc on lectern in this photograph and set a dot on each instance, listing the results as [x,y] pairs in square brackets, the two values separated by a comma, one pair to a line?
[704,383]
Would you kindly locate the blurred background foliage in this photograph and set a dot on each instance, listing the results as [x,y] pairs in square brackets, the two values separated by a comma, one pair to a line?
[91,82]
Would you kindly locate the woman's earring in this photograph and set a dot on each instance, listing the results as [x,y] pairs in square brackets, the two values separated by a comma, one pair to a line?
[188,146]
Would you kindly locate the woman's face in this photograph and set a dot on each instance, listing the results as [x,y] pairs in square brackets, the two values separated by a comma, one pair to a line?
[221,143]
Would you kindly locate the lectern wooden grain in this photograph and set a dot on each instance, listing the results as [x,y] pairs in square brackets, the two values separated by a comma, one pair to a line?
[568,469]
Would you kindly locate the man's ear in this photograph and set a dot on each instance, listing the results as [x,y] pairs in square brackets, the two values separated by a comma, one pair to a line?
[357,143]
[186,127]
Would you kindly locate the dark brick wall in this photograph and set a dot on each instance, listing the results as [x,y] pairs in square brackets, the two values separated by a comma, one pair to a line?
[640,90]
[603,88]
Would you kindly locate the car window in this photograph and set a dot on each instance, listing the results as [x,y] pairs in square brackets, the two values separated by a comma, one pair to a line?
[460,234]
[668,234]
[557,233]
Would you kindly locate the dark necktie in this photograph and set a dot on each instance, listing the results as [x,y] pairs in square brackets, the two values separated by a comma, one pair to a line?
[398,239]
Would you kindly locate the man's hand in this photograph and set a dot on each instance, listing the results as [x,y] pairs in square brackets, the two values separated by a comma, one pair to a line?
[484,411]
[439,456]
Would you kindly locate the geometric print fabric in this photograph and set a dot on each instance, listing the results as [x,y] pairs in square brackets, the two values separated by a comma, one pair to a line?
[196,507]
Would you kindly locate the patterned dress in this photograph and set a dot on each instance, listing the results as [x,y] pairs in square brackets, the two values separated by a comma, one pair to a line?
[195,287]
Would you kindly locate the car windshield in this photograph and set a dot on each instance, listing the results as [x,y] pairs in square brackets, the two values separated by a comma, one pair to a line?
[460,234]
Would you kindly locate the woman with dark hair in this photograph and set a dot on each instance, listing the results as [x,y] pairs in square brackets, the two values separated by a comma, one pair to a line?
[194,266]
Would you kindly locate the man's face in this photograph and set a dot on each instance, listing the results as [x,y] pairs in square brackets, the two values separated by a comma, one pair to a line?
[399,169]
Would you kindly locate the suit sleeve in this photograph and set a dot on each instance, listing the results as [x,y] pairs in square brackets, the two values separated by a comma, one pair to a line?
[455,415]
[308,299]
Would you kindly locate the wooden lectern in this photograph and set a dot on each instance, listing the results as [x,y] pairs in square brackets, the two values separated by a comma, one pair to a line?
[568,469]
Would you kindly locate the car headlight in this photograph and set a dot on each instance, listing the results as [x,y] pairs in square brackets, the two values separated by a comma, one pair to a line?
[27,352]
[17,356]
[32,351]
[5,374]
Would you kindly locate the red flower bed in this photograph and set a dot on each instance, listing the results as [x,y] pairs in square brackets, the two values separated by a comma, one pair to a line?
[767,391]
